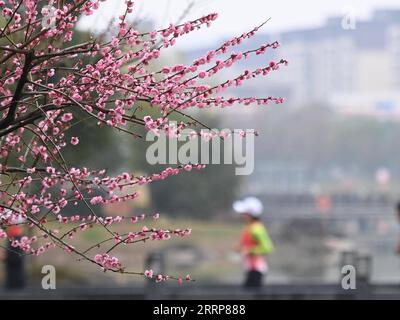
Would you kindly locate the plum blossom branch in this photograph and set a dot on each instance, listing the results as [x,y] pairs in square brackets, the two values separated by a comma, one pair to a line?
[49,85]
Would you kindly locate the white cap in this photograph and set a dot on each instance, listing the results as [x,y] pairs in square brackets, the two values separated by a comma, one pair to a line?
[250,205]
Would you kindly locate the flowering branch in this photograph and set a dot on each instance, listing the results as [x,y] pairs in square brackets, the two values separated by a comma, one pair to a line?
[48,86]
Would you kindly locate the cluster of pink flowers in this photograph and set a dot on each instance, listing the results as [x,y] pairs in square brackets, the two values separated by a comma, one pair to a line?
[152,234]
[107,220]
[24,243]
[161,277]
[227,102]
[90,180]
[149,273]
[166,234]
[107,262]
[3,234]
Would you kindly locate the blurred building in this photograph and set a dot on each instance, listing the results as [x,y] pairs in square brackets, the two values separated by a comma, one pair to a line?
[354,69]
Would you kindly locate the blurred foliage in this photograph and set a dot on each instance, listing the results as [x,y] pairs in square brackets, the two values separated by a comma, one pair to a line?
[198,194]
[318,137]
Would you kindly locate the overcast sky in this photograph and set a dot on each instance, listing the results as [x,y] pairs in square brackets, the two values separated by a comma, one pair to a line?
[237,16]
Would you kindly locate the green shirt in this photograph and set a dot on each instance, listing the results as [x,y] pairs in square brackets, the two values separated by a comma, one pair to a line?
[260,235]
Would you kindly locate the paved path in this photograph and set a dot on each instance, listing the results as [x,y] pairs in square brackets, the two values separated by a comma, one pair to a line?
[270,292]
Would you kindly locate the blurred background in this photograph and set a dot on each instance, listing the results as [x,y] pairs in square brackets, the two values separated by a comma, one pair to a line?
[326,161]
